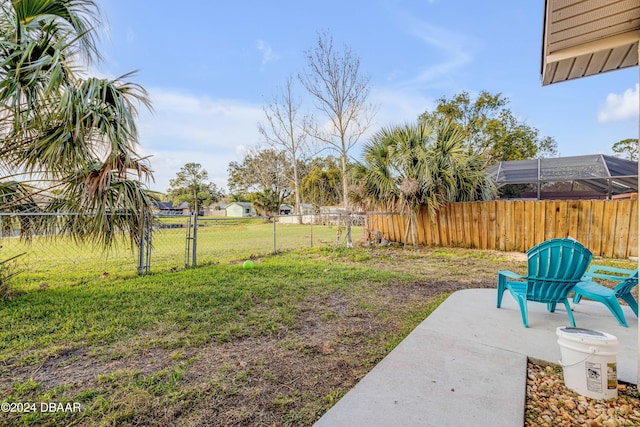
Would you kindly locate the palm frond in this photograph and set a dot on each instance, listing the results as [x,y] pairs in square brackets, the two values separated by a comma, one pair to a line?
[62,18]
[78,134]
[423,164]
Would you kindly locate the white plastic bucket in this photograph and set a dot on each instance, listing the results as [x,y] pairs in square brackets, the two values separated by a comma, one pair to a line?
[588,360]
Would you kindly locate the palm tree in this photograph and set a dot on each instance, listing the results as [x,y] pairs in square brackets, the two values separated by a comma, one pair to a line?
[66,137]
[426,164]
[458,174]
[395,170]
[322,181]
[267,202]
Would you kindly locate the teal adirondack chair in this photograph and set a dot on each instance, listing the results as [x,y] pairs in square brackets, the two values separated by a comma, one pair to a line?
[626,279]
[554,268]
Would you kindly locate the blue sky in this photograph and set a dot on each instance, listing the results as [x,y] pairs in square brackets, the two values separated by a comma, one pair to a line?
[210,66]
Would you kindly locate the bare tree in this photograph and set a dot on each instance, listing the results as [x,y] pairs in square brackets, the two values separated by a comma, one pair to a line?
[333,79]
[285,130]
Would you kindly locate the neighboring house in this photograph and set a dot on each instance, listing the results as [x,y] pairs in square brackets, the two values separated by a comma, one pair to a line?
[305,208]
[239,209]
[184,207]
[286,209]
[167,208]
[218,209]
[164,208]
[287,215]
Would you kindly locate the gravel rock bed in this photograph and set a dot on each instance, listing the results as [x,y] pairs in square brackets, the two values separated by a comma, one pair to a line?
[550,403]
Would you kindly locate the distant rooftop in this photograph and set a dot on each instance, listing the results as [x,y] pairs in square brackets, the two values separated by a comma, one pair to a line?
[243,204]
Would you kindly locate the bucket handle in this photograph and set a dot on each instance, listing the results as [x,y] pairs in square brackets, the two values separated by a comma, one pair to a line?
[592,351]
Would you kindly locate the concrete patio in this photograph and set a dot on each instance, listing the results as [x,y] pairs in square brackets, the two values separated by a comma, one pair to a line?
[466,364]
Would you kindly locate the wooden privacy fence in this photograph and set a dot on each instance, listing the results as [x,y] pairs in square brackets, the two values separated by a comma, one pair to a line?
[609,228]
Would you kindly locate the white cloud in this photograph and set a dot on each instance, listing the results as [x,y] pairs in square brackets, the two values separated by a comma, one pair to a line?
[131,35]
[453,48]
[620,107]
[398,106]
[187,128]
[267,52]
[403,100]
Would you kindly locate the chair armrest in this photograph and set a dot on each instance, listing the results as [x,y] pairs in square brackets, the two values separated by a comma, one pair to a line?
[600,272]
[511,275]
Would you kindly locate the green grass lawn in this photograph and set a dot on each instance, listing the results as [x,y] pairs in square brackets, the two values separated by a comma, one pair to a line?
[278,344]
[62,261]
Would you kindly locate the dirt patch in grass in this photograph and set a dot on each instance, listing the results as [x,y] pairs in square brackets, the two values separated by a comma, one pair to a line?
[293,378]
[77,368]
[289,377]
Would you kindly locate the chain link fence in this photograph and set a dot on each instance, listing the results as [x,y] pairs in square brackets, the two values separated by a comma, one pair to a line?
[172,243]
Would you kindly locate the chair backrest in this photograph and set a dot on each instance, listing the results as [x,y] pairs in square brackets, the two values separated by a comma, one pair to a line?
[554,267]
[626,285]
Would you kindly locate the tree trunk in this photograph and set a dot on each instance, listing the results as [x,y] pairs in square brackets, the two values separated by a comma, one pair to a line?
[296,188]
[195,200]
[414,230]
[345,195]
[406,232]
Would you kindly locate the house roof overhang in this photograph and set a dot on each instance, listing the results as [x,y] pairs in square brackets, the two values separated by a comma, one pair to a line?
[587,37]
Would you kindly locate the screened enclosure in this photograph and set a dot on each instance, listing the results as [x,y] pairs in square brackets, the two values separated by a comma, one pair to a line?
[596,176]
